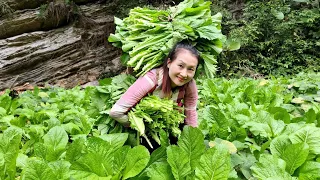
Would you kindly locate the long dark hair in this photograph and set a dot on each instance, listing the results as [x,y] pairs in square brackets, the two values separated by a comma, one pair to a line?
[166,83]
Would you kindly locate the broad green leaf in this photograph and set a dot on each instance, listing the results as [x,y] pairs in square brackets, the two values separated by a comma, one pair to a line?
[310,116]
[210,32]
[179,160]
[40,150]
[215,163]
[280,113]
[97,159]
[9,148]
[115,140]
[160,171]
[192,142]
[270,166]
[278,145]
[270,129]
[158,156]
[246,161]
[76,174]
[60,169]
[38,169]
[76,149]
[3,112]
[136,160]
[294,156]
[119,163]
[310,168]
[309,135]
[232,45]
[7,119]
[55,142]
[21,160]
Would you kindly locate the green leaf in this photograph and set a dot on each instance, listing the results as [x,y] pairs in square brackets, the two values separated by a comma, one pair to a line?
[158,155]
[215,163]
[55,142]
[192,142]
[21,160]
[96,159]
[119,163]
[115,140]
[179,161]
[310,168]
[270,166]
[38,169]
[309,135]
[295,155]
[278,145]
[76,174]
[3,112]
[136,123]
[76,149]
[232,45]
[160,171]
[9,148]
[270,129]
[310,116]
[114,38]
[280,113]
[60,169]
[136,160]
[210,32]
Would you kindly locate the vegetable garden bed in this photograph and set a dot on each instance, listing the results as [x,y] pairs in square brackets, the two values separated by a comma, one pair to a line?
[258,129]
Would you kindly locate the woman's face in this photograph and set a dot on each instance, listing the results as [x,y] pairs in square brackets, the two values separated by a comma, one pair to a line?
[183,68]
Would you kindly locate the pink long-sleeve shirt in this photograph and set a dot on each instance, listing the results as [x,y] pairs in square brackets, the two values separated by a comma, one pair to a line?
[147,83]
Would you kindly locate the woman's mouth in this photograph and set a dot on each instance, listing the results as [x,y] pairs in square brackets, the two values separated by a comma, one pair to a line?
[181,79]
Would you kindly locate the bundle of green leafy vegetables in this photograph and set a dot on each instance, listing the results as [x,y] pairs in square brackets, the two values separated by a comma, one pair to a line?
[152,114]
[147,35]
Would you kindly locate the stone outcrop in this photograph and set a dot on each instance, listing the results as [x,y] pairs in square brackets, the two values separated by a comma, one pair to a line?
[63,51]
[60,42]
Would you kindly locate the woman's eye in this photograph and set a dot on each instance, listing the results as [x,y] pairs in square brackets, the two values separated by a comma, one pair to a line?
[180,65]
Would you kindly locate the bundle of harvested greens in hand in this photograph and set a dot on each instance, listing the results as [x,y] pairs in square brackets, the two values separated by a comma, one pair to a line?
[153,114]
[147,35]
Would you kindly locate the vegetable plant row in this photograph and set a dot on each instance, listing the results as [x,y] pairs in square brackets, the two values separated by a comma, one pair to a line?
[249,129]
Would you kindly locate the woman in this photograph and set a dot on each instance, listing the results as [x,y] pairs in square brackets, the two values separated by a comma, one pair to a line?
[174,80]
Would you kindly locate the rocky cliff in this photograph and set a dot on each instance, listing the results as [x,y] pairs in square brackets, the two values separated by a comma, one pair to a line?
[60,42]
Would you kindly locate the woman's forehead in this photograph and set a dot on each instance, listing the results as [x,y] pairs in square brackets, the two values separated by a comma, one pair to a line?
[186,57]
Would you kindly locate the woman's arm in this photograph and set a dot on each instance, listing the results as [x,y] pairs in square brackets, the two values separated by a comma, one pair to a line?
[132,96]
[190,104]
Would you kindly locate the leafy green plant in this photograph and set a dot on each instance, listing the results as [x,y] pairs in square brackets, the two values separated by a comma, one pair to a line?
[277,37]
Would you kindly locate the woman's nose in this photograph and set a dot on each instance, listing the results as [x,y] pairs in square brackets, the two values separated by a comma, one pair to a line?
[184,73]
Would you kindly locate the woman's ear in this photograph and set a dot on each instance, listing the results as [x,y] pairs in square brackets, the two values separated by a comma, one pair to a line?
[168,62]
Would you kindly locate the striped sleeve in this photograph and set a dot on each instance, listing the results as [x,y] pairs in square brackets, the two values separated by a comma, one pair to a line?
[132,96]
[190,104]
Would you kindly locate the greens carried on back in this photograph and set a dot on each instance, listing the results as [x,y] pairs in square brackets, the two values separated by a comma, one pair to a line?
[147,35]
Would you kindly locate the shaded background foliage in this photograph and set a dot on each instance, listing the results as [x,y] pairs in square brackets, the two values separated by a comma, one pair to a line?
[277,37]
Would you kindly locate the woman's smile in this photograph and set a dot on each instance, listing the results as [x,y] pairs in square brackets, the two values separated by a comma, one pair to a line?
[182,68]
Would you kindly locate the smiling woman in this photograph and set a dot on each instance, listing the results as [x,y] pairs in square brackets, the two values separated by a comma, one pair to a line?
[173,80]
